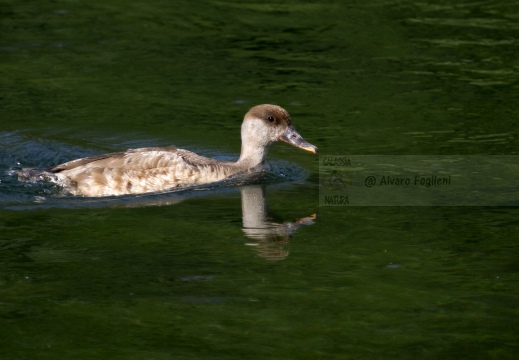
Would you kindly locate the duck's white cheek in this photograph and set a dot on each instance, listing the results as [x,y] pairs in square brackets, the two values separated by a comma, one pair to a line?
[279,131]
[274,133]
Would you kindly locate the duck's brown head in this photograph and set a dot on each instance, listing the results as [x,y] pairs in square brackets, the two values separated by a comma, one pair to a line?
[266,124]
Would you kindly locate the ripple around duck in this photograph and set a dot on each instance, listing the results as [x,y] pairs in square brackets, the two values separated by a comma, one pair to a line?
[18,151]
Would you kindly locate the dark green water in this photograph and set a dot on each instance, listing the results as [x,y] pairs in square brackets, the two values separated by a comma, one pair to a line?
[175,276]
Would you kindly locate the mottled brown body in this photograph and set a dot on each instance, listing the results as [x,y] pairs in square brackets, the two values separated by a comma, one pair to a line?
[139,171]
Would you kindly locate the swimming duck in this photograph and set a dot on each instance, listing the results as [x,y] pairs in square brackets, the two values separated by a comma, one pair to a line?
[152,169]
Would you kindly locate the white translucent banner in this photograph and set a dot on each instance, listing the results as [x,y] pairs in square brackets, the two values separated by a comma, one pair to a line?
[409,180]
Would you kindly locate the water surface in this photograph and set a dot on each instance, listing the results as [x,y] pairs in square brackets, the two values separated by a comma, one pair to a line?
[180,275]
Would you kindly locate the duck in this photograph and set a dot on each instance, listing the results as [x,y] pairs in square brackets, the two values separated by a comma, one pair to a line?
[155,169]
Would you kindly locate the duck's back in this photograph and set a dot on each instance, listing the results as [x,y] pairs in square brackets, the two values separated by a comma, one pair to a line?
[139,171]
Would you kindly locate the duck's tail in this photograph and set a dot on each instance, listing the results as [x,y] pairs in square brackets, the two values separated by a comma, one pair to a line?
[33,175]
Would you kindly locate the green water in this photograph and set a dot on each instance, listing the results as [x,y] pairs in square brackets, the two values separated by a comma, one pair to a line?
[178,276]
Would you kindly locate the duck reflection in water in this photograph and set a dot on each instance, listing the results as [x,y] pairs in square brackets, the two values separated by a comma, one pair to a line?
[270,238]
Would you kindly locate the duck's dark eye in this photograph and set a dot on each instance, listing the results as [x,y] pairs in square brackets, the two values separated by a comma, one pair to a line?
[271,118]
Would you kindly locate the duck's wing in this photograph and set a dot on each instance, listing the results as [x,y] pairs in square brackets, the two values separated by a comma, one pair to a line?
[131,158]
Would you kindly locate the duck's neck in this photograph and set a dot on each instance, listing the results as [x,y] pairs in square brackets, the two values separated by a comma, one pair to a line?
[253,149]
[252,155]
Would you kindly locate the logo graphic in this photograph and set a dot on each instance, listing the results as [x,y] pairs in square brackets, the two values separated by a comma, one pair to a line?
[335,181]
